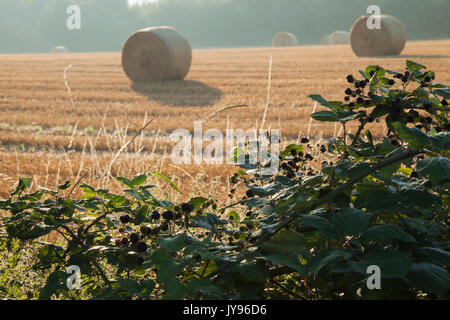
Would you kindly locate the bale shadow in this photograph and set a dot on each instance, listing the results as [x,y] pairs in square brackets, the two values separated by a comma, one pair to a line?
[187,93]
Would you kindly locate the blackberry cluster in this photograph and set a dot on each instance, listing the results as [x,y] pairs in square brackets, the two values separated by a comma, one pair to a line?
[125,218]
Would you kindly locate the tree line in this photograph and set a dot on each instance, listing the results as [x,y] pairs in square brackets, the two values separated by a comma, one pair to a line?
[38,25]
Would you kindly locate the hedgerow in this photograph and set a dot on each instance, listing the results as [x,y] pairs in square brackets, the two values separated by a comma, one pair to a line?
[305,233]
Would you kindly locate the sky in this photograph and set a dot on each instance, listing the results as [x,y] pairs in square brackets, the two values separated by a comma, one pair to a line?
[139,1]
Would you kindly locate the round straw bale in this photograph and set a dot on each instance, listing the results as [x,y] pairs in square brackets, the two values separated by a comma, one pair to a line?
[285,39]
[59,49]
[325,40]
[390,39]
[339,37]
[155,54]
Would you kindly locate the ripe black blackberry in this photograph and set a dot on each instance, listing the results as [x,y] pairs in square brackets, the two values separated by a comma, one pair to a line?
[414,174]
[419,126]
[187,207]
[438,129]
[398,75]
[391,82]
[284,166]
[348,91]
[410,119]
[164,227]
[427,79]
[304,140]
[428,119]
[323,149]
[308,156]
[125,218]
[370,119]
[360,100]
[168,215]
[350,79]
[347,98]
[146,230]
[371,73]
[293,152]
[178,216]
[290,174]
[351,105]
[444,102]
[407,74]
[134,237]
[140,261]
[404,79]
[250,193]
[156,215]
[395,142]
[291,163]
[141,247]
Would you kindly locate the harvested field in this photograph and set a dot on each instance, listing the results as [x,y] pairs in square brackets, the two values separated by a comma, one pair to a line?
[54,130]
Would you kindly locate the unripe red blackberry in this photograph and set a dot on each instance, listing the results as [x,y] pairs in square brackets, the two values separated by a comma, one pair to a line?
[125,218]
[134,237]
[141,247]
[168,215]
[124,241]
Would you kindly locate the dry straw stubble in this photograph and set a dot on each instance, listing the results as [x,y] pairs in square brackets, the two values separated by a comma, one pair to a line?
[390,39]
[155,54]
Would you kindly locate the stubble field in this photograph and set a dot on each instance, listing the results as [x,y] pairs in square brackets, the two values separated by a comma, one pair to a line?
[65,117]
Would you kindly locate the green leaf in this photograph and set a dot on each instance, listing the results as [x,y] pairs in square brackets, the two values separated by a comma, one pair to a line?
[139,180]
[441,141]
[157,174]
[321,100]
[443,93]
[147,286]
[392,263]
[414,136]
[435,255]
[325,116]
[65,186]
[129,285]
[413,66]
[325,228]
[23,184]
[126,182]
[197,202]
[249,272]
[117,201]
[287,152]
[266,190]
[205,287]
[285,241]
[435,169]
[350,221]
[55,281]
[324,258]
[289,260]
[234,216]
[386,233]
[430,278]
[173,244]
